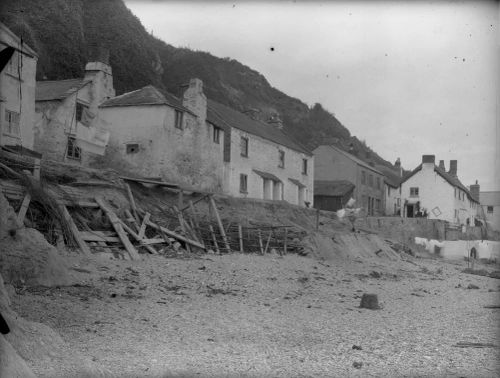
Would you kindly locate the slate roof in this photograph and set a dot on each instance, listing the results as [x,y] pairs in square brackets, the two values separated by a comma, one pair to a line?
[452,180]
[489,198]
[333,188]
[354,158]
[267,175]
[297,182]
[148,95]
[223,116]
[48,90]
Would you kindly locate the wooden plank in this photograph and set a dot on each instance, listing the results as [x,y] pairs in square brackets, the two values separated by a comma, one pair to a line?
[36,170]
[24,208]
[183,226]
[74,230]
[221,227]
[142,230]
[117,225]
[176,235]
[260,242]
[145,242]
[137,238]
[132,202]
[98,237]
[285,241]
[195,202]
[146,181]
[268,240]
[79,203]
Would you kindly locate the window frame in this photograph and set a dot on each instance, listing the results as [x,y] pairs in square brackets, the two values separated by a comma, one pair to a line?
[281,159]
[243,180]
[488,209]
[244,144]
[13,128]
[216,135]
[79,107]
[363,177]
[76,152]
[414,191]
[179,119]
[305,166]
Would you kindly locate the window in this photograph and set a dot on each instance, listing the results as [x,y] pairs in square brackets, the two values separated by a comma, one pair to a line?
[489,209]
[378,182]
[413,192]
[455,192]
[12,122]
[243,183]
[304,166]
[132,148]
[244,146]
[363,177]
[216,135]
[370,180]
[79,111]
[281,163]
[178,119]
[73,152]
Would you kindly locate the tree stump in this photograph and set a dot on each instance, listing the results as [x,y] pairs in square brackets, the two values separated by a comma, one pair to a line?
[369,301]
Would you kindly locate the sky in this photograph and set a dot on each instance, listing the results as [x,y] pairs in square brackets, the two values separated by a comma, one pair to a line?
[409,78]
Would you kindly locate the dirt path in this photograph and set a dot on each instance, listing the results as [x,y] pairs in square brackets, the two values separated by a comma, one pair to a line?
[254,316]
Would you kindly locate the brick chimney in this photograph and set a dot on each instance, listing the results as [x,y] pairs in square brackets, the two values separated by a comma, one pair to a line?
[428,161]
[441,165]
[474,191]
[195,100]
[453,168]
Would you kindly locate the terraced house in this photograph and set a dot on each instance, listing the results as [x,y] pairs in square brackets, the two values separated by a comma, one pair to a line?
[431,191]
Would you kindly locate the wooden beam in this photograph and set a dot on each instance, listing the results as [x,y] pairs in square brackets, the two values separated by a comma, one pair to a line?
[260,243]
[221,227]
[240,237]
[268,240]
[142,230]
[132,202]
[117,225]
[176,235]
[146,181]
[74,230]
[137,238]
[214,239]
[24,208]
[98,237]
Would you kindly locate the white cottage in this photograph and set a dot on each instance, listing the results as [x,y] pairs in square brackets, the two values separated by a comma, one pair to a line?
[17,91]
[430,190]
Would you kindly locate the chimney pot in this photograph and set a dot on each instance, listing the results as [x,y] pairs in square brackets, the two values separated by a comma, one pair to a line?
[453,168]
[428,159]
[441,165]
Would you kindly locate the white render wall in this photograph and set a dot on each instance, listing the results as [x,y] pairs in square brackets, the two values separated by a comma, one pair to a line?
[263,155]
[391,199]
[435,191]
[187,156]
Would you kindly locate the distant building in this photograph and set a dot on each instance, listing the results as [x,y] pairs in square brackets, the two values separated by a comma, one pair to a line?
[155,134]
[333,164]
[490,204]
[260,160]
[65,106]
[393,190]
[17,91]
[332,195]
[430,190]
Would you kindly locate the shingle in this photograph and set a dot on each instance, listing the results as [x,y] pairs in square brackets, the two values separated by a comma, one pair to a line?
[224,117]
[332,188]
[57,89]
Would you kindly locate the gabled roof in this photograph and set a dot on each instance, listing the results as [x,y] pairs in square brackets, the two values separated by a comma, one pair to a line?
[333,188]
[452,180]
[21,45]
[58,89]
[223,116]
[353,158]
[148,95]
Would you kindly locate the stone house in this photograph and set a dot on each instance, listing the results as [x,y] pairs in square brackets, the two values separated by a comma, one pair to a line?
[64,106]
[17,91]
[332,164]
[439,193]
[490,204]
[260,160]
[157,135]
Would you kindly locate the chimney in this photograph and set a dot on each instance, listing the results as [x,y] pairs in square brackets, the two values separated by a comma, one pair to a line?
[474,191]
[397,165]
[453,168]
[351,148]
[441,165]
[428,161]
[99,72]
[195,100]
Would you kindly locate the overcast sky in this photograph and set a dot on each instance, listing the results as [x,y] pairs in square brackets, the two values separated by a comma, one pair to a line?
[409,78]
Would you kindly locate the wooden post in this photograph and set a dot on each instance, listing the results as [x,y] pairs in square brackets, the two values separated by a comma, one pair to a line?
[74,230]
[117,225]
[240,237]
[136,237]
[24,208]
[221,227]
[181,221]
[132,203]
[142,230]
[214,239]
[175,235]
[260,243]
[268,240]
[194,215]
[285,241]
